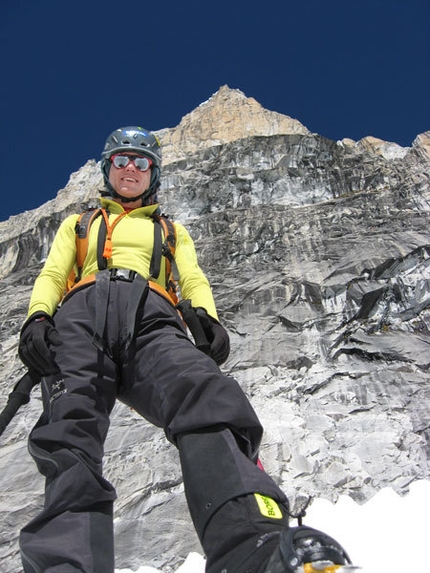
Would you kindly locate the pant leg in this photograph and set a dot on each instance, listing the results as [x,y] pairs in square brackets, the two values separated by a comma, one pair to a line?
[179,388]
[207,415]
[74,531]
[237,509]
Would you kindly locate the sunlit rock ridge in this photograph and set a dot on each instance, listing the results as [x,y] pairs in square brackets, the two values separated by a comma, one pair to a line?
[318,252]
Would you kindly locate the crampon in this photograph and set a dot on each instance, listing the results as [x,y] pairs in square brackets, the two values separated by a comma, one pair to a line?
[306,550]
[326,567]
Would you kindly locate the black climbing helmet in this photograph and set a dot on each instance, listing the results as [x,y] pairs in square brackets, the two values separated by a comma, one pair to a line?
[140,140]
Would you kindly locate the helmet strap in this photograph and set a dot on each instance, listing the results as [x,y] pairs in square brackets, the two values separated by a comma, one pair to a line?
[149,197]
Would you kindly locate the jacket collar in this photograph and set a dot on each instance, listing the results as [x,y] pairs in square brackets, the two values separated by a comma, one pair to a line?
[116,208]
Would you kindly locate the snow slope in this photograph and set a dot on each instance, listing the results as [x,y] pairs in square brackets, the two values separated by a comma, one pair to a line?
[382,536]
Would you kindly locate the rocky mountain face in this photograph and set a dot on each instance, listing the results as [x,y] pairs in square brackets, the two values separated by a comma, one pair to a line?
[318,252]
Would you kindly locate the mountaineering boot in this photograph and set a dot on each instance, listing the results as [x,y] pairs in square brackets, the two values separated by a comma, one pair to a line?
[259,540]
[243,534]
[242,531]
[307,550]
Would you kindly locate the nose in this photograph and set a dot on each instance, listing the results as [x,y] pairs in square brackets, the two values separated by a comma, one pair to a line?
[130,165]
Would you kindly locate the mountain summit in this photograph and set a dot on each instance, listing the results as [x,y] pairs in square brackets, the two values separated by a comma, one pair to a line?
[225,117]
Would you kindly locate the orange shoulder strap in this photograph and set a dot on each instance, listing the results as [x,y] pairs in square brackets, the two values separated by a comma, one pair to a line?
[165,248]
[82,229]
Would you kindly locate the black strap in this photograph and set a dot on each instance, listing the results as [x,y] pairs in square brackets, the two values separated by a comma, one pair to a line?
[84,222]
[101,239]
[157,251]
[138,293]
[102,300]
[137,297]
[166,248]
[169,244]
[82,229]
[192,320]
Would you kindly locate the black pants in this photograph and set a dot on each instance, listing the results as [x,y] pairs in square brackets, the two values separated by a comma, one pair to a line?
[165,379]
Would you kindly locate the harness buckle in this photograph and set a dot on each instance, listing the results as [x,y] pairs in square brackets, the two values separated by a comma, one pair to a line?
[127,275]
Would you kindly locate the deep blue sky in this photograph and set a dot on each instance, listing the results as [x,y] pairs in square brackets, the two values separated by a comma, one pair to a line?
[72,71]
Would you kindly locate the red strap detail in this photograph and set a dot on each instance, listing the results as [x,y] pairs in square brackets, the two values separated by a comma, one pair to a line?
[107,252]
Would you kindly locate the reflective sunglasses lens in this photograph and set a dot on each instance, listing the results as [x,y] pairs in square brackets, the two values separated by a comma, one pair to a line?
[142,163]
[120,161]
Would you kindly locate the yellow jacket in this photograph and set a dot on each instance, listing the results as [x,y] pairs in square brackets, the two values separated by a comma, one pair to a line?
[132,244]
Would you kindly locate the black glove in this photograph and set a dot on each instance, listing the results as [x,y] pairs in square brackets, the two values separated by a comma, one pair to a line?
[217,336]
[37,336]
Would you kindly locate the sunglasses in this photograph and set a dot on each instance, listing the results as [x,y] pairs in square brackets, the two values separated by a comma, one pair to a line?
[121,161]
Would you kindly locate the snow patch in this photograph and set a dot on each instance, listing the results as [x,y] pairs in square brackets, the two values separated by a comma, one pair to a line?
[380,536]
[194,563]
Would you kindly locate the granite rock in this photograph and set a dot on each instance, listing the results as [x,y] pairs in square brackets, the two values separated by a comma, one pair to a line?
[319,256]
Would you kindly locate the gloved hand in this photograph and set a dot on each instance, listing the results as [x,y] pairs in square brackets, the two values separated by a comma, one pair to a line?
[37,336]
[216,335]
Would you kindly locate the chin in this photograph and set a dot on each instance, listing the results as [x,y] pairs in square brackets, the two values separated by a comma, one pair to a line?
[129,198]
[124,193]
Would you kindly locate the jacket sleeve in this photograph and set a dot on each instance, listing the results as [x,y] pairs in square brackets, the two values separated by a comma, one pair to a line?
[50,285]
[192,281]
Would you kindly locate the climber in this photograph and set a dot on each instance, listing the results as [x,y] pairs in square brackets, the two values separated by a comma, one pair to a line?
[117,335]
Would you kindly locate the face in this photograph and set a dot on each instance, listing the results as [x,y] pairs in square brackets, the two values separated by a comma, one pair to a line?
[128,181]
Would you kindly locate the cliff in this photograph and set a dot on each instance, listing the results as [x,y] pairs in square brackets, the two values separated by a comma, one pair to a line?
[319,256]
